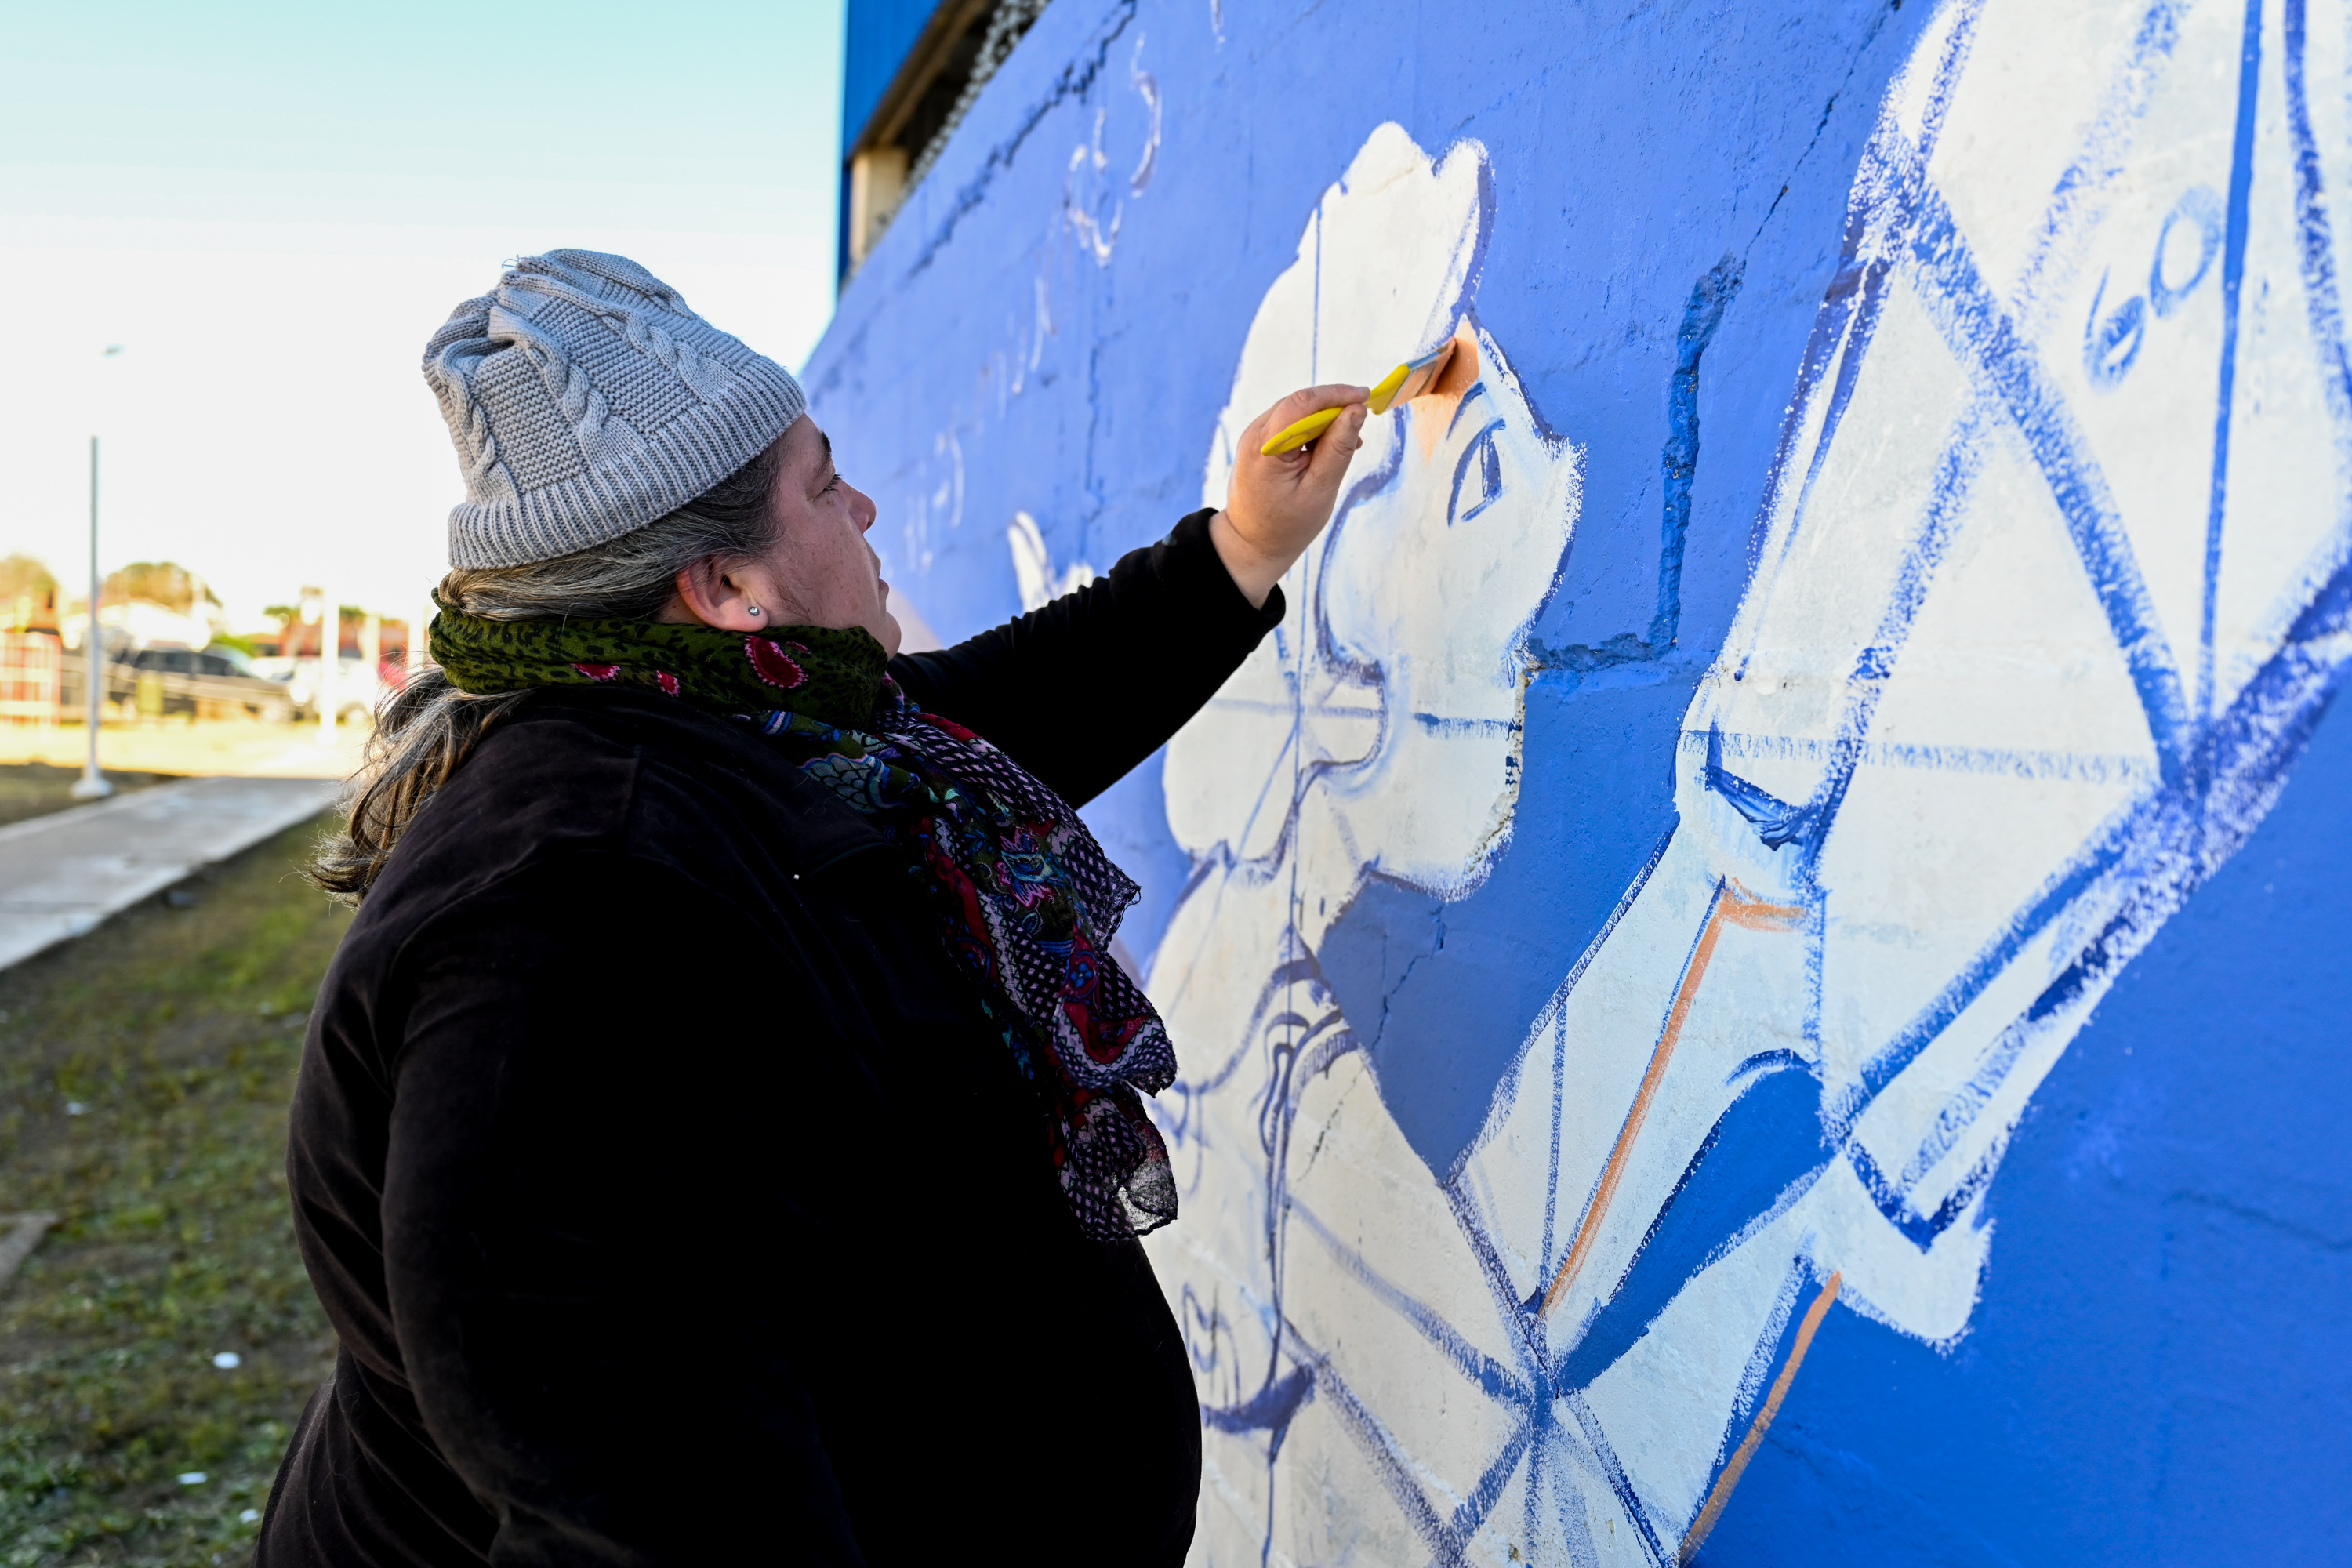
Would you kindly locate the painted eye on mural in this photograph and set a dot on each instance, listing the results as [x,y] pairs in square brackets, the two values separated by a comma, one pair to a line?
[2198,215]
[1477,477]
[2110,344]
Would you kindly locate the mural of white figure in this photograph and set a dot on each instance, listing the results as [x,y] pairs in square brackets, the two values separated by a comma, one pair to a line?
[2056,575]
[1378,730]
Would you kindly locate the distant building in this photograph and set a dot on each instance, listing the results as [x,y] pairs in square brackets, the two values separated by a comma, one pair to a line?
[909,69]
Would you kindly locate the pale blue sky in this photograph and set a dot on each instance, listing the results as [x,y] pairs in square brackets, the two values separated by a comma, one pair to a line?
[272,205]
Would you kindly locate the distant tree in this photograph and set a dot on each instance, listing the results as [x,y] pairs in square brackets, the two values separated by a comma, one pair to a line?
[21,576]
[286,615]
[164,582]
[28,594]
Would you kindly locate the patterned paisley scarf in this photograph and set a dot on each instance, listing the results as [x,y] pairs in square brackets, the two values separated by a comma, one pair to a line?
[1027,901]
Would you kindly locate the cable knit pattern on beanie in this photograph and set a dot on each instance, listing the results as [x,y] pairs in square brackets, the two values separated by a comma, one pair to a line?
[586,400]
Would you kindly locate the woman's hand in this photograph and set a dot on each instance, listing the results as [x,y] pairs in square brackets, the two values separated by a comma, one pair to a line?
[1276,505]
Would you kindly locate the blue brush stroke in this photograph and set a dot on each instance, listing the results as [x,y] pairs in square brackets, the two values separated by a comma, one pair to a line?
[1270,1409]
[1986,338]
[1957,465]
[1379,1446]
[1486,1373]
[2005,762]
[1776,821]
[1605,1457]
[2234,273]
[1678,464]
[1764,1153]
[2316,254]
[1856,298]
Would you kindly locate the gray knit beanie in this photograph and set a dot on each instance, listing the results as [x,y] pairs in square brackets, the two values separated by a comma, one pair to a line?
[586,401]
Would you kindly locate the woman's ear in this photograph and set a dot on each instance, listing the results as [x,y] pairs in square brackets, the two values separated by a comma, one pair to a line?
[727,600]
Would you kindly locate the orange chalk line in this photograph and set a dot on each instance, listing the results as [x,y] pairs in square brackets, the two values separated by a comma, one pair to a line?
[1731,1472]
[1754,914]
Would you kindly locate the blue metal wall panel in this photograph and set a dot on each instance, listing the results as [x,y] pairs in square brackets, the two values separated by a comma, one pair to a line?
[876,40]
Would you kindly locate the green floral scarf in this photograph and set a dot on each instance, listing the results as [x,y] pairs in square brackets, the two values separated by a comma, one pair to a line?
[834,677]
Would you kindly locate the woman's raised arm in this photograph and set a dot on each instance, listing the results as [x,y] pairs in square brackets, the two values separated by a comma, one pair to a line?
[1082,690]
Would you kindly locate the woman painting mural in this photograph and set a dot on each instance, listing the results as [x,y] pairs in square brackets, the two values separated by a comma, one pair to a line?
[719,1137]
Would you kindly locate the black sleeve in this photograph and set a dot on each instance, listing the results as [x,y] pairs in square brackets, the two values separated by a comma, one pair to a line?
[1084,689]
[601,1347]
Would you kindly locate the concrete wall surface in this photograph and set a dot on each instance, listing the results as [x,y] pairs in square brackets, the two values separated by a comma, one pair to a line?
[1750,960]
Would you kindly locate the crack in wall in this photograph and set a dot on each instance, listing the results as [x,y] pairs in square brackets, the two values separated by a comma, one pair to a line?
[1822,124]
[2310,1235]
[1404,975]
[1678,463]
[1330,1120]
[1075,81]
[1098,502]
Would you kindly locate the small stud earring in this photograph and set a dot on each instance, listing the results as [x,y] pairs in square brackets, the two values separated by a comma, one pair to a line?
[756,611]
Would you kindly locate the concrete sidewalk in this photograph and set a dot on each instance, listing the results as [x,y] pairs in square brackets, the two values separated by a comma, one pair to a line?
[245,748]
[62,874]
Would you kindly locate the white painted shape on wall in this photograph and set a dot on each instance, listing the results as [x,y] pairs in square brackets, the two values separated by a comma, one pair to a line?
[1379,728]
[1691,1367]
[1381,269]
[1033,565]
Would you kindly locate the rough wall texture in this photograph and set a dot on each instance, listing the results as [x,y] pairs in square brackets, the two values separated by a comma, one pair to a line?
[1753,961]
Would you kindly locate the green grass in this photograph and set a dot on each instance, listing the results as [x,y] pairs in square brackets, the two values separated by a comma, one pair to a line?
[36,789]
[176,1032]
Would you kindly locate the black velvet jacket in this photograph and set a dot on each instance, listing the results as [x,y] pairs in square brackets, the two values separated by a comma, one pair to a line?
[672,1199]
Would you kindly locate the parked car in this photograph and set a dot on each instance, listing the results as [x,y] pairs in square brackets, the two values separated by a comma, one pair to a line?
[208,684]
[357,688]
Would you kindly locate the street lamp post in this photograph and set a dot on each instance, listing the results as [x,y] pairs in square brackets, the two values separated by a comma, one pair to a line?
[92,784]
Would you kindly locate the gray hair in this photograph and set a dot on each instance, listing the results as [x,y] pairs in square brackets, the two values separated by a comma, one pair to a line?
[425,730]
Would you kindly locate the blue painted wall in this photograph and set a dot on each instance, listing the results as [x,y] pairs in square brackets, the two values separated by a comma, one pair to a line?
[926,379]
[2157,1370]
[1048,334]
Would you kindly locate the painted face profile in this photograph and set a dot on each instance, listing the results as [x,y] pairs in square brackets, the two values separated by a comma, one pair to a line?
[1377,731]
